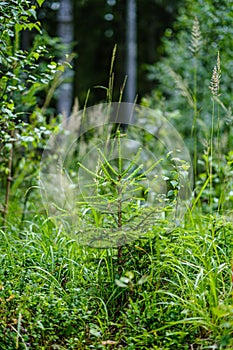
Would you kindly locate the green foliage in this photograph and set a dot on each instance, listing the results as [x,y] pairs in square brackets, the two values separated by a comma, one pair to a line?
[119,189]
[197,61]
[174,290]
[28,80]
[190,52]
[170,289]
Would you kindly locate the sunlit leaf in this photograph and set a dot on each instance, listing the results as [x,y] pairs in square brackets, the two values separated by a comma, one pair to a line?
[40,2]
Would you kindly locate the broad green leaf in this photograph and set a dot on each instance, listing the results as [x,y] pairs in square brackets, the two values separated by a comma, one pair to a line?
[61,68]
[32,12]
[40,2]
[36,55]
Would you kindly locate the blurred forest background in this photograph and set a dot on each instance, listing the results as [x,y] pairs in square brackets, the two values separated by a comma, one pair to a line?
[91,28]
[176,55]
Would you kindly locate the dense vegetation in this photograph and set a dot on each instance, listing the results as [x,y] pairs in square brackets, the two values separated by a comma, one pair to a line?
[171,288]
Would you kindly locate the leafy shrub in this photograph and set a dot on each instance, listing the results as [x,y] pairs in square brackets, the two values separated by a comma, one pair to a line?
[28,80]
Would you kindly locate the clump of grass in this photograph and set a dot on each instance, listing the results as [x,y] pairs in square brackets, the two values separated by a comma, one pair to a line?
[173,291]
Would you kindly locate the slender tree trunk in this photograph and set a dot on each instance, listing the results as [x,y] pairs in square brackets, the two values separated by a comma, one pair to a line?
[131,53]
[65,31]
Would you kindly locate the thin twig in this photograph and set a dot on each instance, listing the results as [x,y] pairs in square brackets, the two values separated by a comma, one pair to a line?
[8,182]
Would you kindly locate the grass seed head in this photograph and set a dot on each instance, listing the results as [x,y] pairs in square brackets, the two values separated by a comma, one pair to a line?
[196,37]
[215,79]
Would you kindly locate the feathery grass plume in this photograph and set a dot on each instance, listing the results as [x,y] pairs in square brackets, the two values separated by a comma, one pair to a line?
[215,79]
[196,37]
[181,85]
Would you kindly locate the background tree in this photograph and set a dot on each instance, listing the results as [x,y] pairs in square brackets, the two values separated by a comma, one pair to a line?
[107,26]
[131,51]
[97,31]
[65,32]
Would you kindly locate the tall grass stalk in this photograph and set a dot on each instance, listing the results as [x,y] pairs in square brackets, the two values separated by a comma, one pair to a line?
[196,43]
[214,88]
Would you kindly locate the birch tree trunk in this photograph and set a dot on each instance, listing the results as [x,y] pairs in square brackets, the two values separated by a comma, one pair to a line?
[131,51]
[65,32]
